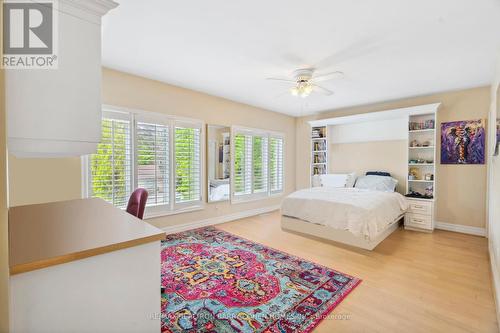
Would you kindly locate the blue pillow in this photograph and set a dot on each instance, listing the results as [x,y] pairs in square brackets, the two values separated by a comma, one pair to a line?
[378,173]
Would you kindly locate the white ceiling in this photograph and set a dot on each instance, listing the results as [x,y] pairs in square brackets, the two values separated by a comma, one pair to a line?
[388,49]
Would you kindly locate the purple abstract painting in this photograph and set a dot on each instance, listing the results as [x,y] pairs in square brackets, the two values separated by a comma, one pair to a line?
[498,131]
[497,145]
[462,142]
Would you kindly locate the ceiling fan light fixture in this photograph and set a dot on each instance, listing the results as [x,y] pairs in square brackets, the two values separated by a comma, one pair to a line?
[305,82]
[308,88]
[302,89]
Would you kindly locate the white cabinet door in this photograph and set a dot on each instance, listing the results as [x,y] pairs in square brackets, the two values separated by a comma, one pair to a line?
[57,112]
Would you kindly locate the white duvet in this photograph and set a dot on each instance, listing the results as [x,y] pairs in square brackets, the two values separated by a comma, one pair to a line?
[364,213]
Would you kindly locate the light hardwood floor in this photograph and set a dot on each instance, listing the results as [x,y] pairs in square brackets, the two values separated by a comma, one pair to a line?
[412,282]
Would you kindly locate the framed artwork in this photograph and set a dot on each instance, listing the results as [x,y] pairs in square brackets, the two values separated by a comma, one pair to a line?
[463,142]
[497,145]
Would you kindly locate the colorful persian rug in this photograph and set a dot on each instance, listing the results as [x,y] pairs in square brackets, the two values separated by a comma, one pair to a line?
[217,282]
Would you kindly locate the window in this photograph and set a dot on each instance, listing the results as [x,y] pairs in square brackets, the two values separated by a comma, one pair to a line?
[111,166]
[155,152]
[276,164]
[152,154]
[242,164]
[187,164]
[257,164]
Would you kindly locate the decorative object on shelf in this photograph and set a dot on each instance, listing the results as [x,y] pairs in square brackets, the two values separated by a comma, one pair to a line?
[414,174]
[429,190]
[426,144]
[414,143]
[429,176]
[421,125]
[415,194]
[463,142]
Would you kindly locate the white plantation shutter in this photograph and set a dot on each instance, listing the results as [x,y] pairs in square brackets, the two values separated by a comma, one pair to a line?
[152,161]
[242,164]
[276,164]
[187,154]
[110,173]
[257,169]
[259,164]
[148,150]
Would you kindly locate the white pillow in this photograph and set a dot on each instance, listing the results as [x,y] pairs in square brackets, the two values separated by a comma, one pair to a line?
[377,183]
[338,180]
[351,180]
[316,181]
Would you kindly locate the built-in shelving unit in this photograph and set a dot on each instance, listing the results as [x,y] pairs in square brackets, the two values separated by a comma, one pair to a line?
[422,140]
[319,150]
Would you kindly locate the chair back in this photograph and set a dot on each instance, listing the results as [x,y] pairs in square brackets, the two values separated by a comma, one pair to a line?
[137,202]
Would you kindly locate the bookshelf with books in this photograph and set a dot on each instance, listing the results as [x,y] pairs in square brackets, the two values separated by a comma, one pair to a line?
[319,150]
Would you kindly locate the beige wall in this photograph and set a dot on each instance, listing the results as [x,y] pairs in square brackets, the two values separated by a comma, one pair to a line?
[374,156]
[461,188]
[4,245]
[43,180]
[35,181]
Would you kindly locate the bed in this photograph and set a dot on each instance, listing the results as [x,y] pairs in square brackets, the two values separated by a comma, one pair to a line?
[360,216]
[219,190]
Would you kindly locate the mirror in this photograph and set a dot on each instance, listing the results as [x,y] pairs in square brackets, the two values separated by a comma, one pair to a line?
[218,162]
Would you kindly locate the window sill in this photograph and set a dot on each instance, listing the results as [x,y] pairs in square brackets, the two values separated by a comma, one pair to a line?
[154,215]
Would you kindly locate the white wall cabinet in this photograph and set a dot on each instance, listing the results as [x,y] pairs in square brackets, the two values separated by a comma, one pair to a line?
[57,112]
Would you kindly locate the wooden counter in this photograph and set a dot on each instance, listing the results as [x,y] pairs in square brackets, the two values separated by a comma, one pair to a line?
[49,234]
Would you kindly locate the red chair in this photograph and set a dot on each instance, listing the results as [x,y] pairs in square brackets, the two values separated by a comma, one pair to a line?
[137,202]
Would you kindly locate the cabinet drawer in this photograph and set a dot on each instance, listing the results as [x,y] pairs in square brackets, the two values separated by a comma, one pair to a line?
[420,207]
[418,221]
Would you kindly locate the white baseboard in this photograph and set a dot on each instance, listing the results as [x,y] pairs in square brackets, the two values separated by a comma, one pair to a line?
[495,277]
[218,219]
[464,229]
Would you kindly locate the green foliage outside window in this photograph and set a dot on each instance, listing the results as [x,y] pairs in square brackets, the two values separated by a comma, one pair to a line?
[187,164]
[257,164]
[109,166]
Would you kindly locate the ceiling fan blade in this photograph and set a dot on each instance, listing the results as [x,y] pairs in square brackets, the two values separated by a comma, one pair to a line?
[360,48]
[328,76]
[280,79]
[322,90]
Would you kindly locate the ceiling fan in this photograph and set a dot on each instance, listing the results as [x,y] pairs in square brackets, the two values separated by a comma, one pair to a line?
[304,82]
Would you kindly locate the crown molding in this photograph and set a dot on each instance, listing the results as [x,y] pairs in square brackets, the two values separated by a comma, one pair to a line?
[94,7]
